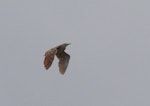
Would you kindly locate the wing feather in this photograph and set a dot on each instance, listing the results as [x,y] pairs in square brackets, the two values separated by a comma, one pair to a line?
[63,61]
[49,57]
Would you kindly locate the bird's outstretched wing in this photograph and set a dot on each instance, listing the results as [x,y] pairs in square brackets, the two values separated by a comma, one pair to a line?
[63,61]
[49,57]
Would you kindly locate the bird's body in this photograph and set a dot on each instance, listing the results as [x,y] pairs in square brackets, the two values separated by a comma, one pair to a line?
[61,55]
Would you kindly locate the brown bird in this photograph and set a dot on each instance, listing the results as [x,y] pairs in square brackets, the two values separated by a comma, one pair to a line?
[61,55]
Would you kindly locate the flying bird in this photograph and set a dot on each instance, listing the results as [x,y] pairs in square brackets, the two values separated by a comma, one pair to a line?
[60,54]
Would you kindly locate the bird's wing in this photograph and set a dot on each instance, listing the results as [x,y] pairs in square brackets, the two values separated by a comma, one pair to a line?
[49,57]
[63,61]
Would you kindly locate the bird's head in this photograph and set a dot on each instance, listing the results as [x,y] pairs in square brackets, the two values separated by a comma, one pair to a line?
[62,47]
[66,44]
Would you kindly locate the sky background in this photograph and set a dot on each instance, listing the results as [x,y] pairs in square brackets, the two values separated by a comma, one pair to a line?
[110,52]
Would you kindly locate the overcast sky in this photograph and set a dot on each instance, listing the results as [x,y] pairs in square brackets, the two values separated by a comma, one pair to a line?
[110,52]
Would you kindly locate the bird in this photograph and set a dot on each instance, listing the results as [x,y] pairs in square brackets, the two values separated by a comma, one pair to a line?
[59,52]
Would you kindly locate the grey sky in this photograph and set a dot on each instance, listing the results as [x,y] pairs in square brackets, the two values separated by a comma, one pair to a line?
[110,52]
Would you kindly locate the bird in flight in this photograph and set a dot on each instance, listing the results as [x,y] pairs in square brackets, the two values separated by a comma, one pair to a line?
[60,54]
